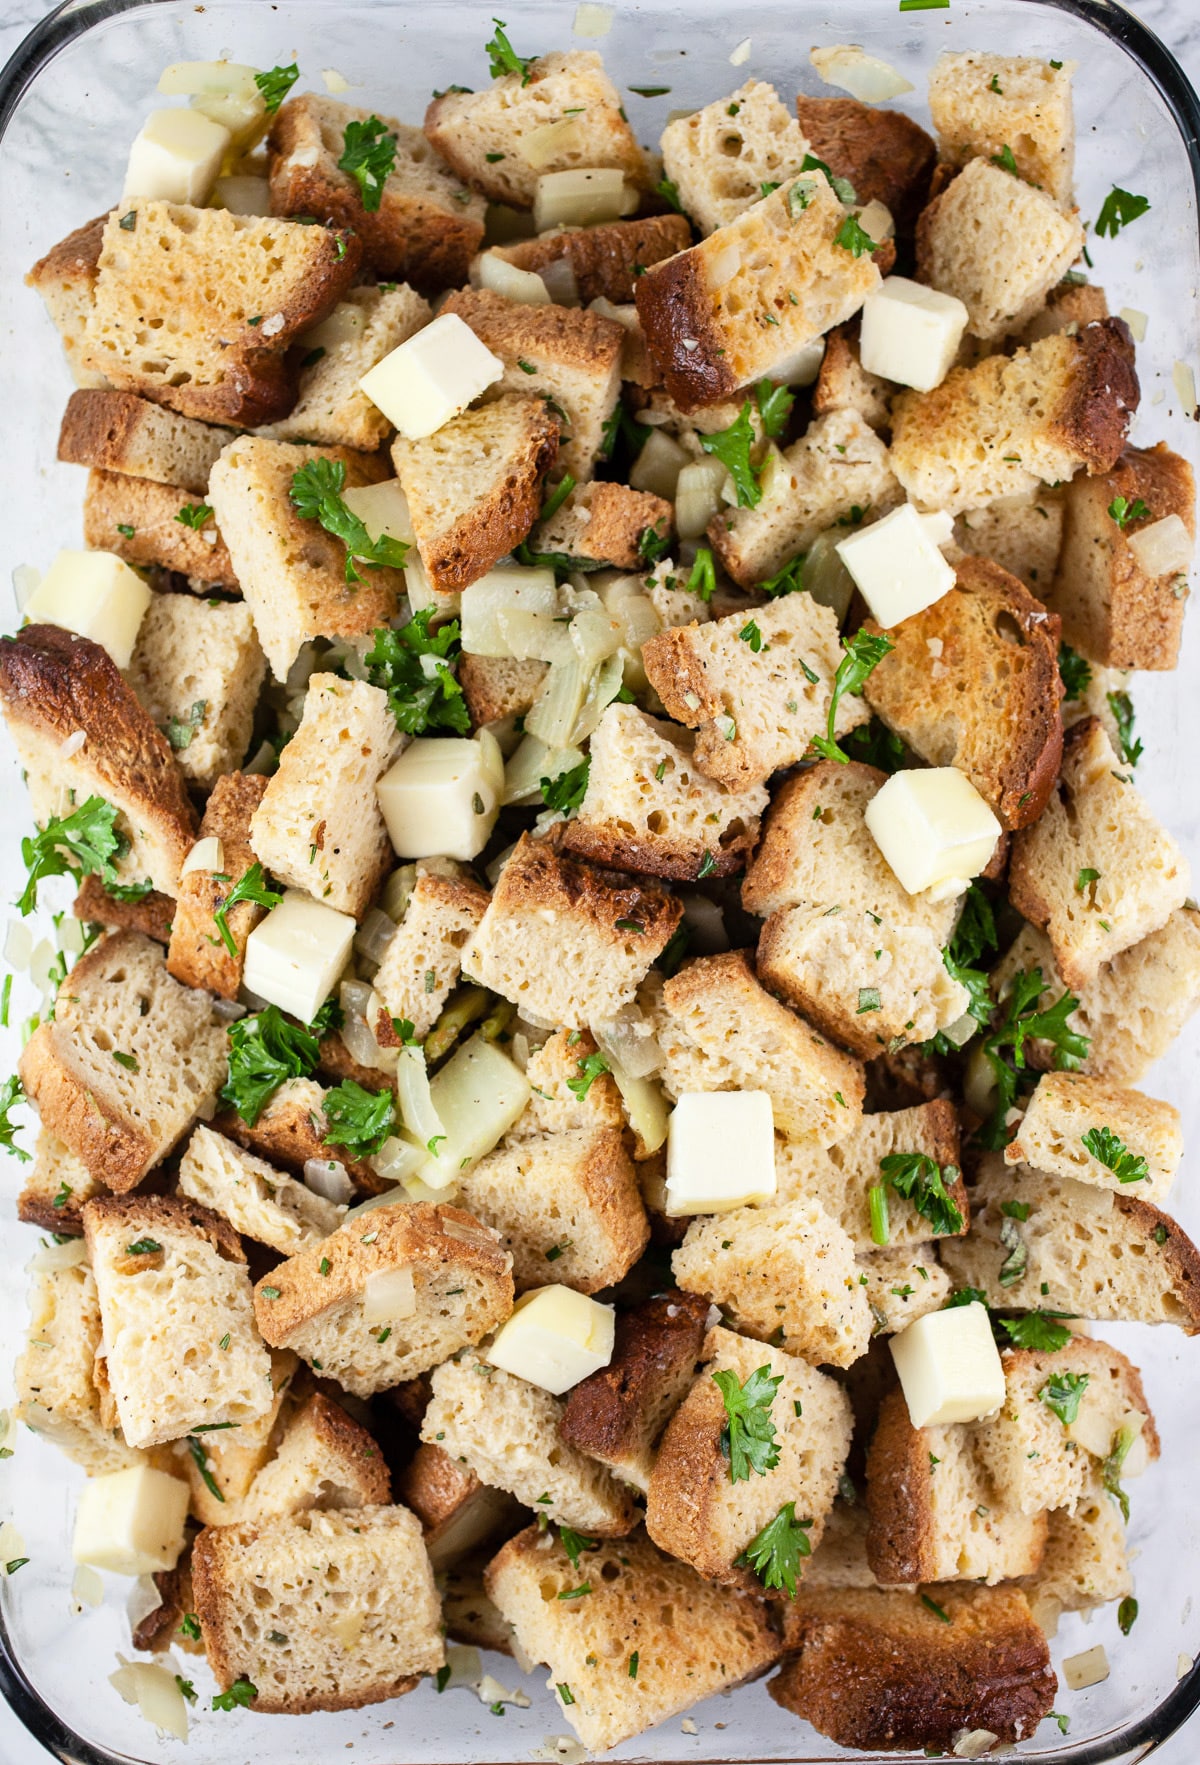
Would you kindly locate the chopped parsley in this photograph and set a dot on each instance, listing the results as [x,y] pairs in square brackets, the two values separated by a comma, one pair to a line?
[420,700]
[368,154]
[239,1696]
[653,545]
[1121,706]
[1005,1046]
[702,580]
[863,654]
[200,1460]
[1086,876]
[264,1051]
[1005,160]
[316,495]
[1075,671]
[751,635]
[668,189]
[1118,209]
[774,407]
[566,792]
[251,886]
[1111,1151]
[194,515]
[788,579]
[774,1553]
[275,84]
[181,731]
[1110,1469]
[732,447]
[12,1092]
[190,1627]
[591,1066]
[1127,1613]
[1063,1393]
[1036,1329]
[852,237]
[748,1437]
[921,1180]
[503,58]
[359,1119]
[842,188]
[143,1247]
[1123,511]
[575,1593]
[939,1612]
[83,843]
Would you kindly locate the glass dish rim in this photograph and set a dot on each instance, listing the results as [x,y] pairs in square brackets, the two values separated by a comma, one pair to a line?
[72,19]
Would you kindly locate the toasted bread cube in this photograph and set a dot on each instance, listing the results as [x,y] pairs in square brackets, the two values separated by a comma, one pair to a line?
[704,312]
[843,384]
[470,1615]
[423,961]
[755,710]
[55,1188]
[553,1107]
[1136,1264]
[495,687]
[257,1200]
[886,156]
[197,669]
[935,1512]
[617,1414]
[54,685]
[720,157]
[459,1513]
[974,1657]
[163,1366]
[695,1511]
[1068,307]
[965,247]
[1067,1107]
[500,140]
[903,1285]
[576,362]
[194,957]
[53,1378]
[352,1592]
[331,409]
[221,1479]
[424,228]
[1011,423]
[721,1031]
[1111,609]
[293,573]
[66,280]
[837,467]
[1085,1564]
[648,807]
[605,259]
[867,983]
[120,432]
[1022,534]
[567,1208]
[604,524]
[506,1431]
[1005,729]
[557,937]
[1137,1004]
[211,272]
[323,1459]
[982,103]
[139,520]
[784,1275]
[121,1117]
[1042,1461]
[319,825]
[292,1129]
[1097,873]
[151,914]
[474,488]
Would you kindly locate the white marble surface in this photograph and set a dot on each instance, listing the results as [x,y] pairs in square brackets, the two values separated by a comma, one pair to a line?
[1177,22]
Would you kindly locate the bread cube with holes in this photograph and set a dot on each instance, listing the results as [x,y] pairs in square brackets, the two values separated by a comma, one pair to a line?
[371,1307]
[903,1285]
[569,1091]
[723,157]
[1086,1563]
[423,960]
[605,523]
[166,1367]
[1022,534]
[220,1477]
[197,668]
[259,1201]
[708,1502]
[1097,1132]
[332,409]
[66,280]
[140,521]
[322,1458]
[983,103]
[121,432]
[56,1186]
[199,953]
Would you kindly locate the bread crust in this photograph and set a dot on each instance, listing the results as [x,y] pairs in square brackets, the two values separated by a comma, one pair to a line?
[74,259]
[495,687]
[104,428]
[153,915]
[675,308]
[194,957]
[114,501]
[290,1132]
[886,156]
[616,1414]
[605,258]
[1100,398]
[142,1213]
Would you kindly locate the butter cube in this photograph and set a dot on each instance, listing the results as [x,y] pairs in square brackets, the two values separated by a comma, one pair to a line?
[382,509]
[441,798]
[897,566]
[131,1522]
[949,1367]
[95,594]
[431,377]
[720,1152]
[933,828]
[554,1338]
[176,157]
[296,954]
[911,333]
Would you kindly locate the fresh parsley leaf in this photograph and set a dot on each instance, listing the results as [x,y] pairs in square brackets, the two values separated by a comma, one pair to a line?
[251,886]
[1075,671]
[732,447]
[1013,1268]
[931,1605]
[921,1180]
[1037,1329]
[875,745]
[359,1119]
[774,407]
[12,1092]
[1111,1151]
[368,154]
[975,934]
[143,1247]
[574,1542]
[275,85]
[590,1068]
[706,866]
[1110,1469]
[774,1553]
[852,237]
[965,1296]
[789,579]
[748,1438]
[1086,876]
[750,634]
[190,1627]
[863,654]
[194,515]
[566,792]
[1005,160]
[621,428]
[1063,1393]
[561,491]
[83,843]
[264,1051]
[420,700]
[503,58]
[1118,209]
[316,495]
[186,1688]
[842,188]
[1121,706]
[328,1018]
[1123,511]
[181,731]
[653,545]
[1005,1047]
[668,189]
[239,1696]
[703,577]
[1127,1613]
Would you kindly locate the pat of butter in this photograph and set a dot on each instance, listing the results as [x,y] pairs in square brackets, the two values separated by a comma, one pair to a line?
[720,1152]
[581,197]
[897,566]
[514,589]
[949,1367]
[431,377]
[295,955]
[131,1522]
[910,333]
[382,509]
[95,594]
[442,796]
[176,157]
[933,828]
[554,1338]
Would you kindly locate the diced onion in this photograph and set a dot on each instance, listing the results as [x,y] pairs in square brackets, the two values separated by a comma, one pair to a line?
[802,366]
[590,21]
[43,967]
[1185,387]
[374,935]
[354,997]
[557,140]
[1163,548]
[242,195]
[214,79]
[144,1598]
[465,1664]
[335,82]
[361,1045]
[659,465]
[741,54]
[559,277]
[523,286]
[18,945]
[645,1107]
[388,1296]
[1137,322]
[865,77]
[961,1030]
[228,1010]
[73,743]
[581,196]
[603,687]
[724,265]
[825,577]
[639,621]
[876,221]
[594,635]
[532,637]
[397,890]
[628,1040]
[396,1159]
[155,1692]
[706,922]
[206,854]
[391,1198]
[70,937]
[973,1743]
[87,1589]
[413,1095]
[698,496]
[555,710]
[470,1234]
[329,1179]
[345,324]
[1088,1668]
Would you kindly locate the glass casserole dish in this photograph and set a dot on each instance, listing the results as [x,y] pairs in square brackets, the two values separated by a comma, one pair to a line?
[69,104]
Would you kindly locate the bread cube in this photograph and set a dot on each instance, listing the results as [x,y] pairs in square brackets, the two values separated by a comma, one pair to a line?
[604,523]
[66,280]
[322,1459]
[885,155]
[257,1200]
[982,103]
[720,157]
[423,960]
[331,408]
[120,432]
[197,955]
[53,1379]
[1067,1107]
[292,1129]
[197,668]
[605,258]
[1085,1564]
[55,1188]
[1022,534]
[458,1512]
[902,1285]
[221,1478]
[139,520]
[843,384]
[553,1107]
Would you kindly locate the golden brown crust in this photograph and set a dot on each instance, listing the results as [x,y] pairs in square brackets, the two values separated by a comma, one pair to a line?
[152,915]
[496,687]
[159,1630]
[992,707]
[609,842]
[335,1063]
[617,517]
[689,1485]
[101,428]
[169,1213]
[115,501]
[572,337]
[610,1414]
[538,877]
[350,1446]
[885,155]
[607,257]
[881,1671]
[679,677]
[1178,1252]
[900,1541]
[286,1133]
[1100,398]
[74,259]
[434,1485]
[1070,303]
[675,308]
[194,957]
[843,384]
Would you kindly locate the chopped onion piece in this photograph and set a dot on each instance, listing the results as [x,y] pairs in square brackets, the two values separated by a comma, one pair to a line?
[396,1159]
[1185,387]
[639,621]
[87,1588]
[465,1664]
[644,1105]
[627,1039]
[741,54]
[531,637]
[552,141]
[470,1234]
[1163,548]
[18,945]
[658,466]
[374,935]
[724,265]
[581,196]
[865,77]
[397,890]
[360,1042]
[156,1694]
[143,1599]
[206,854]
[244,196]
[590,21]
[698,496]
[603,688]
[416,1104]
[825,577]
[595,635]
[12,1546]
[208,79]
[973,1743]
[1088,1668]
[560,1749]
[524,287]
[1137,322]
[73,743]
[388,1296]
[875,219]
[327,1178]
[24,580]
[559,702]
[391,1198]
[335,82]
[42,970]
